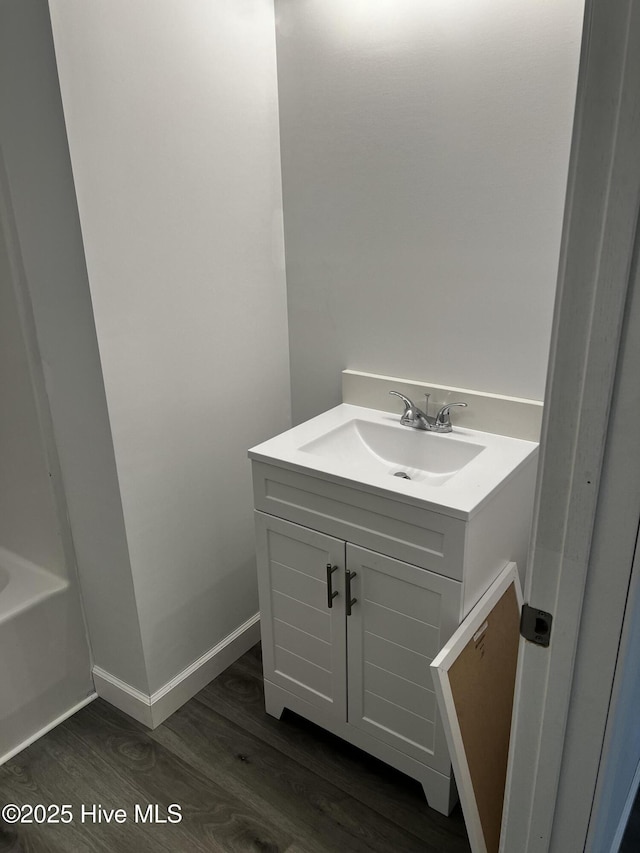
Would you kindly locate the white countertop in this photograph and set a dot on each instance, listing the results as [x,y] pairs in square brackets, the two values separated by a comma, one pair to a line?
[458,493]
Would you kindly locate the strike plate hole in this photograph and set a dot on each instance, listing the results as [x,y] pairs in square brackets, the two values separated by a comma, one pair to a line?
[542,626]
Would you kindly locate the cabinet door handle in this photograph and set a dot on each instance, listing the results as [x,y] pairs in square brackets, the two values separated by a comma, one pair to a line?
[349,576]
[330,592]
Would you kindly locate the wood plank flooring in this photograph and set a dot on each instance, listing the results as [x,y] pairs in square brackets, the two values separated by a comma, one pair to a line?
[246,783]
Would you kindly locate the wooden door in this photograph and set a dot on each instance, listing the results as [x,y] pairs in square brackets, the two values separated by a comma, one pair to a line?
[401,618]
[303,638]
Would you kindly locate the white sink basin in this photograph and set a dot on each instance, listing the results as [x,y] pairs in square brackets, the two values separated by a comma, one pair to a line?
[414,454]
[453,473]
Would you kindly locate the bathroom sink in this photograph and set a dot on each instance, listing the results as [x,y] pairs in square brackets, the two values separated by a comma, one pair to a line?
[401,452]
[454,473]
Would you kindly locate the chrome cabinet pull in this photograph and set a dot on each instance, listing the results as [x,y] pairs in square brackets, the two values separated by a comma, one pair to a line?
[331,594]
[349,576]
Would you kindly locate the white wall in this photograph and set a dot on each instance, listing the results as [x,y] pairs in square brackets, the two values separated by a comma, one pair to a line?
[171,114]
[425,151]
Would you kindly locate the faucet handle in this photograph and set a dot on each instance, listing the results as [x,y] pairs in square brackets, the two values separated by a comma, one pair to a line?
[442,418]
[409,413]
[408,404]
[412,413]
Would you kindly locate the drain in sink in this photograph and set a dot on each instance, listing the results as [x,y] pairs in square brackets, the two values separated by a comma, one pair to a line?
[402,474]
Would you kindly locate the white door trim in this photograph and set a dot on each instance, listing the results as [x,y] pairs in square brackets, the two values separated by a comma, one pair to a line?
[597,250]
[600,651]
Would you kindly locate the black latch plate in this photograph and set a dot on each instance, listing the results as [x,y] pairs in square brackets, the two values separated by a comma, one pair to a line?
[535,625]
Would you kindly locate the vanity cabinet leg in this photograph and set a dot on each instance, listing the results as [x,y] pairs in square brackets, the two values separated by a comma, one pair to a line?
[441,794]
[274,706]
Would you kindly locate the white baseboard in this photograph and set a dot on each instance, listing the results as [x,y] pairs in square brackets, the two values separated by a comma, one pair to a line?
[151,710]
[123,696]
[43,731]
[487,412]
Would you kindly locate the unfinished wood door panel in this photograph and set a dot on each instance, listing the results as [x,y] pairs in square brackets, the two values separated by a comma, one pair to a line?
[474,677]
[400,620]
[303,639]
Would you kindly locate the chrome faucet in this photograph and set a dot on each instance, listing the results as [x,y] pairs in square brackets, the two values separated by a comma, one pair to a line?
[416,418]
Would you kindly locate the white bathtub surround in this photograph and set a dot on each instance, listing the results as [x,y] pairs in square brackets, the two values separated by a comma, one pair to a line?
[151,710]
[487,412]
[44,674]
[49,726]
[29,523]
[24,585]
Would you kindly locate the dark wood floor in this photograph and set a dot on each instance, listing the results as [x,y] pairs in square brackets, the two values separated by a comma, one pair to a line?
[245,782]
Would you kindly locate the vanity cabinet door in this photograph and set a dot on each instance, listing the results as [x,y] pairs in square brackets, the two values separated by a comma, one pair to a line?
[303,639]
[400,619]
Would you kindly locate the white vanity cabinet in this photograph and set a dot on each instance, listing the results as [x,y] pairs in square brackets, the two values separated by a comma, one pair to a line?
[397,624]
[366,664]
[303,638]
[358,593]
